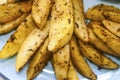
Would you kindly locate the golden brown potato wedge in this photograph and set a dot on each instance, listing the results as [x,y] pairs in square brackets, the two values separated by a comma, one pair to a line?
[72,73]
[107,7]
[96,56]
[30,45]
[98,43]
[7,27]
[38,61]
[61,62]
[114,16]
[11,11]
[61,28]
[112,27]
[79,62]
[40,12]
[13,44]
[80,29]
[97,12]
[106,36]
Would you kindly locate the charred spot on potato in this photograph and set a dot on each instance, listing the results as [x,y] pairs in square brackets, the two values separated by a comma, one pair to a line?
[66,3]
[20,11]
[69,21]
[73,48]
[118,30]
[76,25]
[65,62]
[30,50]
[13,37]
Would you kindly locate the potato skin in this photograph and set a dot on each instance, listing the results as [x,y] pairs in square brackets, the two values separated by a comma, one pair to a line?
[30,45]
[96,57]
[107,37]
[113,16]
[40,12]
[39,61]
[11,11]
[61,62]
[80,29]
[98,43]
[112,27]
[100,12]
[72,73]
[79,62]
[13,44]
[7,27]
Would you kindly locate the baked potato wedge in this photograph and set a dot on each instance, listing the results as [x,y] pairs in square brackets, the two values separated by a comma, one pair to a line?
[13,44]
[97,12]
[98,43]
[11,11]
[39,61]
[62,26]
[80,29]
[40,12]
[30,45]
[107,7]
[107,37]
[112,27]
[113,16]
[96,56]
[60,62]
[72,73]
[7,27]
[79,62]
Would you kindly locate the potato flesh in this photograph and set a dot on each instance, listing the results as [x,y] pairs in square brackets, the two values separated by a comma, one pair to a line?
[62,26]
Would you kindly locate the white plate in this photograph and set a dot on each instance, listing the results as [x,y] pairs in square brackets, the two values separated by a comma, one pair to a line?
[7,67]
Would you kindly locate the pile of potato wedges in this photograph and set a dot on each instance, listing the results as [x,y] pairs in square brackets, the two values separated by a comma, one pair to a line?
[61,32]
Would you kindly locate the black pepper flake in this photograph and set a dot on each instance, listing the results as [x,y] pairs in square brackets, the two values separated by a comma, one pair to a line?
[21,11]
[118,30]
[30,50]
[76,25]
[12,38]
[66,3]
[69,21]
[73,48]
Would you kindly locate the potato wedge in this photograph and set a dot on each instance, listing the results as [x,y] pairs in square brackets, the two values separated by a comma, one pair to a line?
[11,11]
[61,62]
[106,36]
[79,62]
[72,73]
[112,27]
[80,29]
[7,27]
[113,16]
[96,56]
[107,7]
[61,28]
[98,43]
[40,12]
[30,45]
[38,61]
[13,44]
[97,12]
